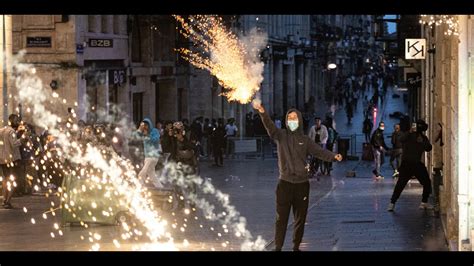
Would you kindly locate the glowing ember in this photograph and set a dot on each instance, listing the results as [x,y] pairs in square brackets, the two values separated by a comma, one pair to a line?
[97,236]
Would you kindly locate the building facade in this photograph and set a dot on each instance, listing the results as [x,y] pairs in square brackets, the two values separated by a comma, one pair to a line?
[103,61]
[447,99]
[83,58]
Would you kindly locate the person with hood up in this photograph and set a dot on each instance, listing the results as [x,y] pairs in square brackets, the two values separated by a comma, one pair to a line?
[414,144]
[151,149]
[292,191]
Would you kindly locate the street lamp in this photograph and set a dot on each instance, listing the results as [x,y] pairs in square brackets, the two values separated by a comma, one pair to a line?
[332,66]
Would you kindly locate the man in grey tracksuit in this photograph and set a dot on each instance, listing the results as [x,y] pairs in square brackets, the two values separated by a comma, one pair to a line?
[293,186]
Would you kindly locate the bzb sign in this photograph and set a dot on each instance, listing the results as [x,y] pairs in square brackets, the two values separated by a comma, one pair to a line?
[105,43]
[415,48]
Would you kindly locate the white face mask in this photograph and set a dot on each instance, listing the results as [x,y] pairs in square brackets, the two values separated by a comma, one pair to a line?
[382,128]
[293,125]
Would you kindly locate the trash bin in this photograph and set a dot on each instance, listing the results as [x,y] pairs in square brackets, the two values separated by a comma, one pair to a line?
[89,204]
[343,147]
[367,153]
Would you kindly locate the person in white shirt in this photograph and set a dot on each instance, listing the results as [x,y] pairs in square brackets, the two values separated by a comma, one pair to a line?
[319,134]
[230,131]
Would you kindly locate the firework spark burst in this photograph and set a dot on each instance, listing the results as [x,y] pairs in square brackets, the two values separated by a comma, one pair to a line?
[119,176]
[234,61]
[102,172]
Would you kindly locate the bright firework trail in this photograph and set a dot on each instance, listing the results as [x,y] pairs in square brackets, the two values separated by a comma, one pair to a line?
[234,61]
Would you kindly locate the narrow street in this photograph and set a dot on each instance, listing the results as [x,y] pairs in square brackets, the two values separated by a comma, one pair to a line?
[345,213]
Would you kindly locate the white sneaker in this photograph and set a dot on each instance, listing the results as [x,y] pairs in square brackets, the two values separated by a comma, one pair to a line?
[391,207]
[425,206]
[378,178]
[395,174]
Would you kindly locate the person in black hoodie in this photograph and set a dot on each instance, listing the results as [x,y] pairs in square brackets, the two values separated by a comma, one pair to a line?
[167,138]
[367,128]
[379,148]
[293,187]
[415,143]
[218,142]
[396,150]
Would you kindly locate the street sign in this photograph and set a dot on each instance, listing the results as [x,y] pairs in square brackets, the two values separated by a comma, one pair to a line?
[117,76]
[79,48]
[309,55]
[413,80]
[280,52]
[38,41]
[415,48]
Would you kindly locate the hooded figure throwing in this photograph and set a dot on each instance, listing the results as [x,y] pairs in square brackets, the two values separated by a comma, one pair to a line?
[293,186]
[415,143]
[151,149]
